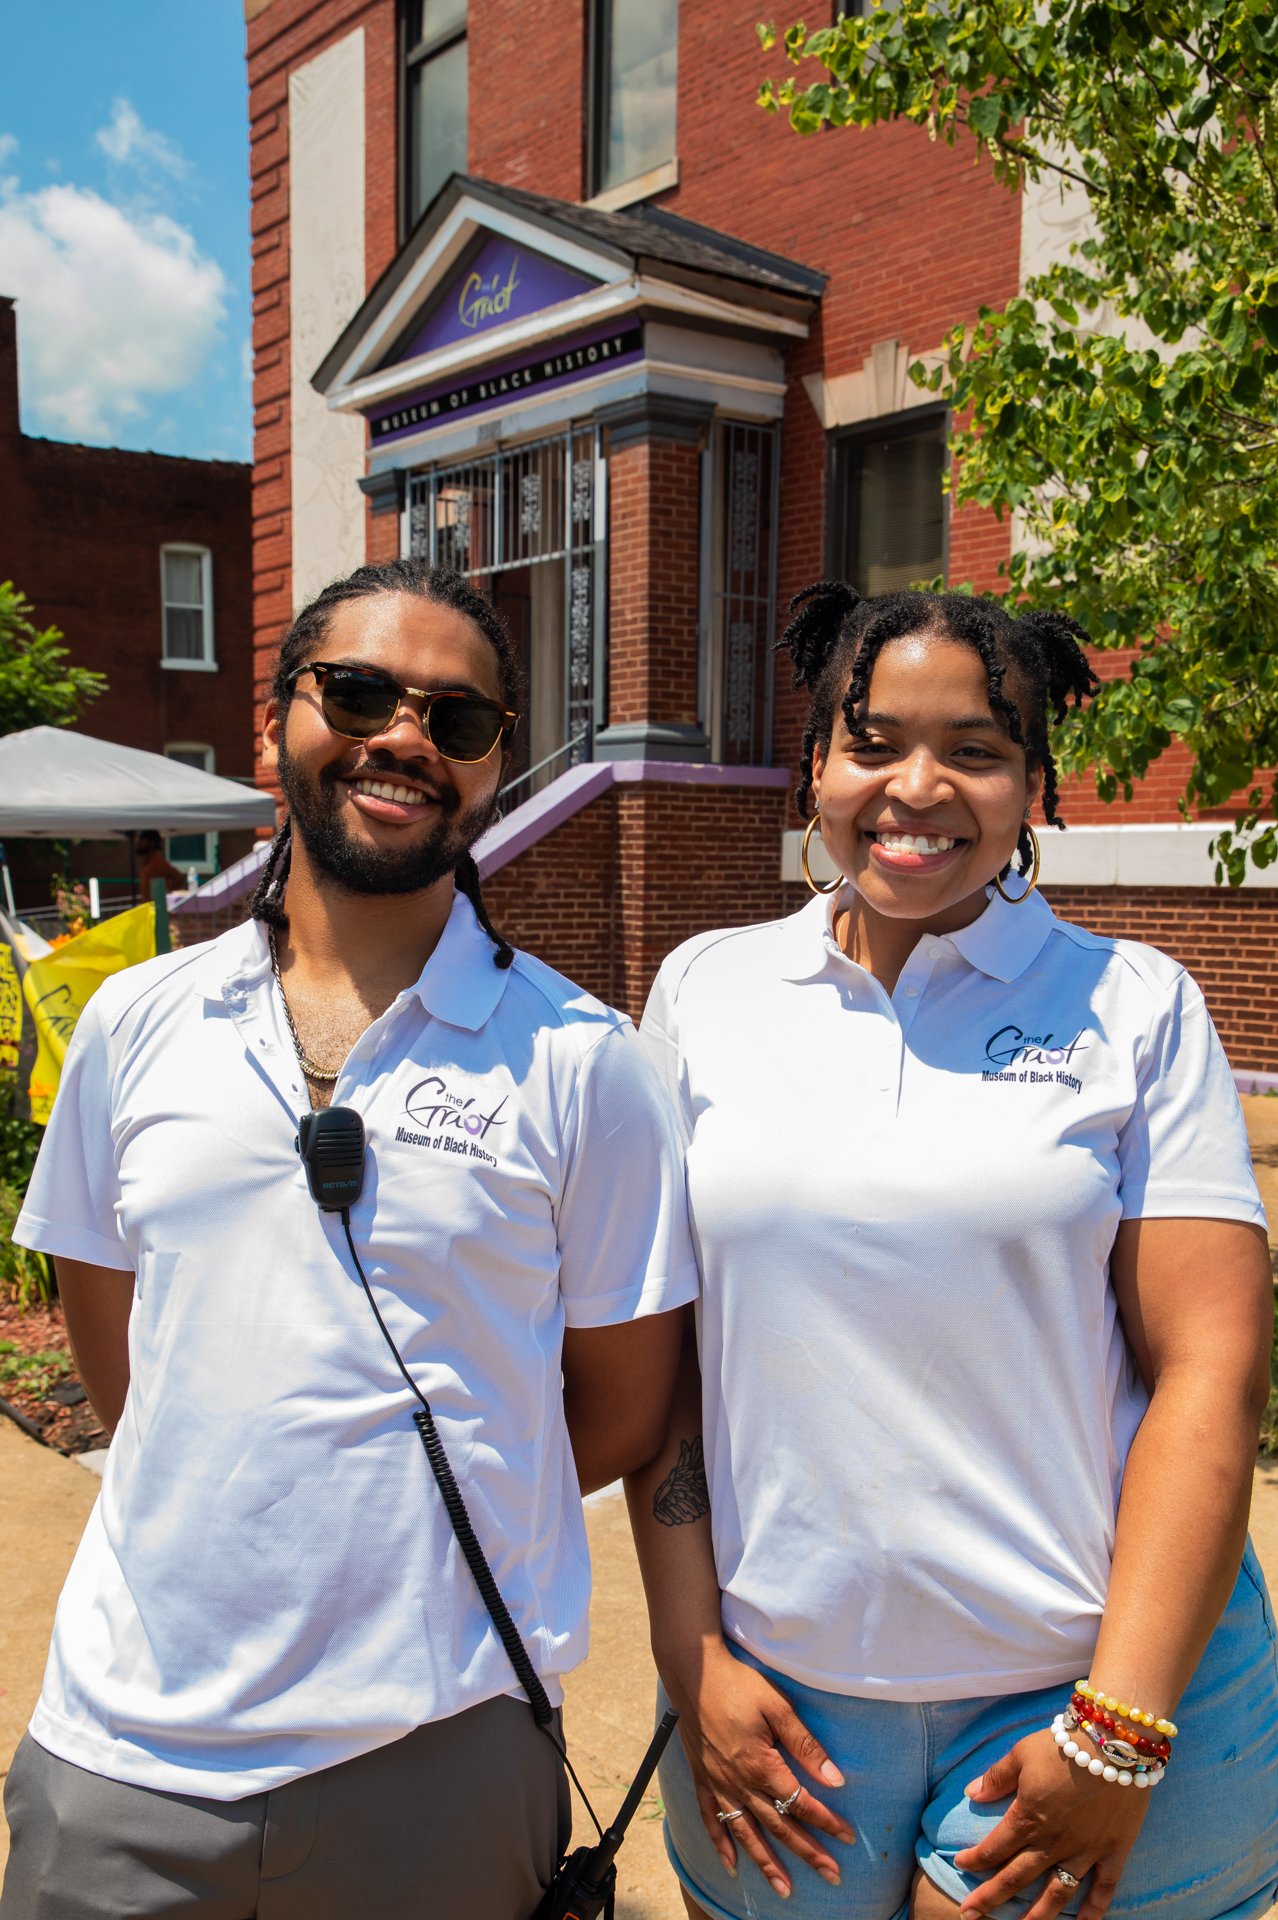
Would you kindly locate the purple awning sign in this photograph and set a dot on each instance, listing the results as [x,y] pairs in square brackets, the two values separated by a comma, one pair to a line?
[555,365]
[500,282]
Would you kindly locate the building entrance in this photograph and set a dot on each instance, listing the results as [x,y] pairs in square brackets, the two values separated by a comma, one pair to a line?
[526,524]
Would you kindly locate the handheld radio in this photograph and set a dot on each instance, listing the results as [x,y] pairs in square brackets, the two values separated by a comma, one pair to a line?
[331,1143]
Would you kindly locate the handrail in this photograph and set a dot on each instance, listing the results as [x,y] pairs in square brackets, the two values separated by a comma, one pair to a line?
[569,746]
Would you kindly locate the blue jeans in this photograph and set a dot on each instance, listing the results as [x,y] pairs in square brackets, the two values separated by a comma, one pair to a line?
[1208,1848]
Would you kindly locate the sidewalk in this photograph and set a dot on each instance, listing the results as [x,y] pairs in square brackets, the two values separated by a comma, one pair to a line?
[45,1500]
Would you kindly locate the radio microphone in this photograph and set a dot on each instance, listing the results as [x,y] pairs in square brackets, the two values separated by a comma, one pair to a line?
[331,1143]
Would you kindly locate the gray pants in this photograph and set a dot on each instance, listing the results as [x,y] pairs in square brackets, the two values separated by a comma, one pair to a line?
[462,1820]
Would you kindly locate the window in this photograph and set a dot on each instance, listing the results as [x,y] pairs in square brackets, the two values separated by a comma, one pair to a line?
[435,80]
[887,507]
[635,68]
[741,553]
[187,577]
[198,850]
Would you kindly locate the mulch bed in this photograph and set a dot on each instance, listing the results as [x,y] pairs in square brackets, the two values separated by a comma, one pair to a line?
[45,1393]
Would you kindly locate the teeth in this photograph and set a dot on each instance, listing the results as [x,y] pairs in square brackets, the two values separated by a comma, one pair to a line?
[385,790]
[915,842]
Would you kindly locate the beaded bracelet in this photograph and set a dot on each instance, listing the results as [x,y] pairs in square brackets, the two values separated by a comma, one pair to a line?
[1089,1711]
[1139,1774]
[1113,1746]
[1137,1715]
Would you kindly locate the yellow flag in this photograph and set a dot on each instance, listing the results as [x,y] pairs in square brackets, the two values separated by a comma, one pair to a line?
[57,987]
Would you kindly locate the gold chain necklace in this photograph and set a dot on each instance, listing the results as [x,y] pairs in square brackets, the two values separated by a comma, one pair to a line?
[304,1061]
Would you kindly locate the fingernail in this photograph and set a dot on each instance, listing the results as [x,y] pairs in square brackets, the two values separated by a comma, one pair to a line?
[831,1775]
[730,1868]
[831,1874]
[974,1786]
[779,1887]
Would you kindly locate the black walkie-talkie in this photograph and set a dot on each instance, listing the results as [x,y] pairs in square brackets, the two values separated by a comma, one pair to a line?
[331,1143]
[585,1884]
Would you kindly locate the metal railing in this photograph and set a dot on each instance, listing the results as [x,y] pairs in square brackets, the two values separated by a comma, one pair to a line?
[572,749]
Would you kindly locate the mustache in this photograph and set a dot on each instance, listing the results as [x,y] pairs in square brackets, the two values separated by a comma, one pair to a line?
[384,766]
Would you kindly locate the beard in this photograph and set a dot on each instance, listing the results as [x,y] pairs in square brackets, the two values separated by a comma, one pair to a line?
[314,810]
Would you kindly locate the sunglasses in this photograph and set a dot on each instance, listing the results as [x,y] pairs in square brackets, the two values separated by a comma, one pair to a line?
[361,701]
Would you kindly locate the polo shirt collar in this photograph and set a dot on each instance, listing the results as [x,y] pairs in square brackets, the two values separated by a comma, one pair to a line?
[459,983]
[1001,942]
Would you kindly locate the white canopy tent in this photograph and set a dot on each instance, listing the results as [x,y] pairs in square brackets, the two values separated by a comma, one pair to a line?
[60,785]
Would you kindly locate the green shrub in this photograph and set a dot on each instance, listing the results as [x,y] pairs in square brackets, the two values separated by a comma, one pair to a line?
[24,1276]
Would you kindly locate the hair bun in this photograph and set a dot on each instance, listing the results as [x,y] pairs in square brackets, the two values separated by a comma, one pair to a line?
[1068,671]
[819,613]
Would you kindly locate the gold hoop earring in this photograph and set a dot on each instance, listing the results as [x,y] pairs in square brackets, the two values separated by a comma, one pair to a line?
[831,886]
[1015,899]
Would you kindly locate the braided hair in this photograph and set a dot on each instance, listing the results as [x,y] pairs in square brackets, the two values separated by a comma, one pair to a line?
[835,638]
[444,588]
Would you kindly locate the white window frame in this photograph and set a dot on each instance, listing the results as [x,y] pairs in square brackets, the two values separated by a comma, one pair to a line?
[207,662]
[208,865]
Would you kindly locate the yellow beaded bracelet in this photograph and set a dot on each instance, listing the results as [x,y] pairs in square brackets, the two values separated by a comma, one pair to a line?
[1137,1715]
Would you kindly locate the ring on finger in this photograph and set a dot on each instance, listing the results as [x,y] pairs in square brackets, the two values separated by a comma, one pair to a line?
[1066,1878]
[732,1813]
[783,1806]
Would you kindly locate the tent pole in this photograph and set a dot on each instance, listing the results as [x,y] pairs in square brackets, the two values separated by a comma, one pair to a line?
[133,867]
[160,900]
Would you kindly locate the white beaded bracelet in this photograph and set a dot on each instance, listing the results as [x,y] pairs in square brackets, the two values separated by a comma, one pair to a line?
[1102,1769]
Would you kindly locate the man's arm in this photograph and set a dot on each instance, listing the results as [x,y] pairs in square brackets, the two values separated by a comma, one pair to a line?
[97,1302]
[617,1386]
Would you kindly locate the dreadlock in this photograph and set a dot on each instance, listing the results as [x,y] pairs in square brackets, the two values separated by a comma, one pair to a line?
[302,639]
[835,638]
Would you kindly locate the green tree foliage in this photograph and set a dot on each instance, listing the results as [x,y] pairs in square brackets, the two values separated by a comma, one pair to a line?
[38,686]
[1127,407]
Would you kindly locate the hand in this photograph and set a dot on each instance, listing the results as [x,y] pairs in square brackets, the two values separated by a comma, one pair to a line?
[1060,1816]
[732,1722]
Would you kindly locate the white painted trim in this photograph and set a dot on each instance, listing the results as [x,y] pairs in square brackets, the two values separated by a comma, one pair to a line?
[446,246]
[547,323]
[641,186]
[357,394]
[1133,855]
[208,659]
[189,666]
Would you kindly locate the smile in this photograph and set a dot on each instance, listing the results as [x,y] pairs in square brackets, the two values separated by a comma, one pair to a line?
[914,842]
[392,790]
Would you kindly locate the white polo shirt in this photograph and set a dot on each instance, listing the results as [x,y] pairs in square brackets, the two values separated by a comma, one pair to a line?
[269,1583]
[918,1397]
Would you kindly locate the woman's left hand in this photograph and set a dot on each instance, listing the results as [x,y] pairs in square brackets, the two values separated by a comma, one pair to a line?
[1060,1816]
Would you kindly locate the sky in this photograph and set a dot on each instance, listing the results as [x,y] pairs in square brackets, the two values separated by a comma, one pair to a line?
[124,213]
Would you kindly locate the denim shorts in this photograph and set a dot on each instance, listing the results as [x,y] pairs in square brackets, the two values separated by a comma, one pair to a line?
[1208,1848]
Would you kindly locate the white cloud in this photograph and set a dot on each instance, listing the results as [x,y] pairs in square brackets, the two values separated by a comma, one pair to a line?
[115,307]
[8,147]
[127,141]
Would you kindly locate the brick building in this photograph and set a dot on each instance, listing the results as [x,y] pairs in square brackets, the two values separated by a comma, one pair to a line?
[541,293]
[144,563]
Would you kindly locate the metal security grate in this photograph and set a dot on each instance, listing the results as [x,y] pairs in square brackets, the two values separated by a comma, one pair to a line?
[743,592]
[536,505]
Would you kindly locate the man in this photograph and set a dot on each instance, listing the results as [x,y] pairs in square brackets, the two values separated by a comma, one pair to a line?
[154,863]
[273,1688]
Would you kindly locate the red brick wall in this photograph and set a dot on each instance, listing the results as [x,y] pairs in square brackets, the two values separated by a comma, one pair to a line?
[690,858]
[558,900]
[527,94]
[81,530]
[653,581]
[281,36]
[1226,937]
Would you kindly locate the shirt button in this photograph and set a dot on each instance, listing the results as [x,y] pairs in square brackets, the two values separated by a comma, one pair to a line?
[911,993]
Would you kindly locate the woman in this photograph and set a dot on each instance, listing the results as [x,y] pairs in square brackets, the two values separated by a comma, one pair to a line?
[984,1336]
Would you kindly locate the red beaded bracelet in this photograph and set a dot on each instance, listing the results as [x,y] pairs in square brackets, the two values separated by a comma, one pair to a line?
[1088,1710]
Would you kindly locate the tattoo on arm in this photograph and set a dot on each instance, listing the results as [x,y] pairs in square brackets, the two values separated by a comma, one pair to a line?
[683,1496]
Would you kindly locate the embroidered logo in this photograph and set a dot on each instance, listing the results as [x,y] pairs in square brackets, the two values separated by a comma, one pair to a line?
[1032,1059]
[447,1123]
